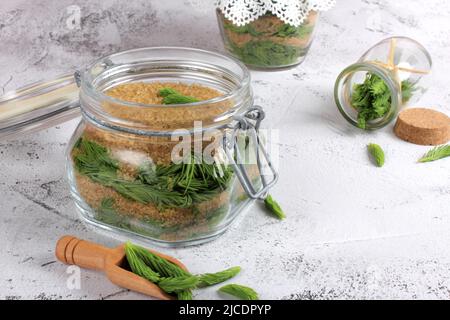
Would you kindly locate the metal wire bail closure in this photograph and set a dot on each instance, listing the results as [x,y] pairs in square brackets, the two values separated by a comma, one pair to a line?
[250,121]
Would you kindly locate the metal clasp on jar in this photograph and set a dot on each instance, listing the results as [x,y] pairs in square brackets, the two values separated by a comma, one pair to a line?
[250,122]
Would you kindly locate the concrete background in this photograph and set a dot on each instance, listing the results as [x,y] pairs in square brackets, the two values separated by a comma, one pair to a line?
[353,230]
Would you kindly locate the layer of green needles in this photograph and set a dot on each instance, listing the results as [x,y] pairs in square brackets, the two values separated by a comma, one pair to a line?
[285,30]
[166,186]
[261,51]
[170,277]
[266,53]
[372,98]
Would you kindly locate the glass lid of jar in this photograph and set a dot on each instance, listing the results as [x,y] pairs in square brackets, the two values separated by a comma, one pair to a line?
[38,106]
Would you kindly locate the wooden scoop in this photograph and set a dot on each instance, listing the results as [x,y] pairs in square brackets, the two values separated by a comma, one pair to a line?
[71,250]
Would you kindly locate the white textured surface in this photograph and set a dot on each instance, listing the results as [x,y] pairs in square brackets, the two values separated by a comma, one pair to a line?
[353,230]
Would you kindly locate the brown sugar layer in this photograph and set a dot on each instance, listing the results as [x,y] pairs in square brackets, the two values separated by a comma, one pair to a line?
[147,93]
[165,117]
[267,24]
[423,126]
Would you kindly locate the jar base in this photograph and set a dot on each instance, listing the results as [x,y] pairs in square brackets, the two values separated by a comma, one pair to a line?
[275,68]
[125,235]
[268,68]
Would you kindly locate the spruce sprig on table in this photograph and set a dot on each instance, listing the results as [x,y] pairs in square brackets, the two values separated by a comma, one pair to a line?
[168,276]
[436,153]
[372,98]
[240,291]
[274,207]
[209,279]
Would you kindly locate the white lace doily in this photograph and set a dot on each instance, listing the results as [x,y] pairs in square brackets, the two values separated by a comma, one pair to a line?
[293,12]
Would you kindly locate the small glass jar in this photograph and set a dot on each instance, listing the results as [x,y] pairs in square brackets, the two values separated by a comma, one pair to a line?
[268,42]
[401,63]
[173,174]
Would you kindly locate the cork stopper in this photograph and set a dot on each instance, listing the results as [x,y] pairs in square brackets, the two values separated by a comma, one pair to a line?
[423,126]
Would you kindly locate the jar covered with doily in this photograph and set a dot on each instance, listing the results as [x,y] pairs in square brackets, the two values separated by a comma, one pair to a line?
[269,34]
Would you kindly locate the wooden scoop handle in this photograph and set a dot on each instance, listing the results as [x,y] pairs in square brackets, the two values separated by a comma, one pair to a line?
[71,250]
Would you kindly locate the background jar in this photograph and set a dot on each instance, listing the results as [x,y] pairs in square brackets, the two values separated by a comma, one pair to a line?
[268,42]
[119,146]
[394,60]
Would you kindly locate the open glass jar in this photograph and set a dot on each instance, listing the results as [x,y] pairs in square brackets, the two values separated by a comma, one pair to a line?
[390,75]
[268,42]
[175,174]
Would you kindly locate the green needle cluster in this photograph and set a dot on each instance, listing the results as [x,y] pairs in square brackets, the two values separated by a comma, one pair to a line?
[372,98]
[239,291]
[274,207]
[287,30]
[169,276]
[209,279]
[169,186]
[248,28]
[267,53]
[436,153]
[172,96]
[377,153]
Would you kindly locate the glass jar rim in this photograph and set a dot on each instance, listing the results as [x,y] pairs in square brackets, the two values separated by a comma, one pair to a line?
[417,43]
[87,79]
[384,75]
[199,66]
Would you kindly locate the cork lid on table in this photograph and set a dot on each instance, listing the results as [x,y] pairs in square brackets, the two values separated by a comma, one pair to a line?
[423,126]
